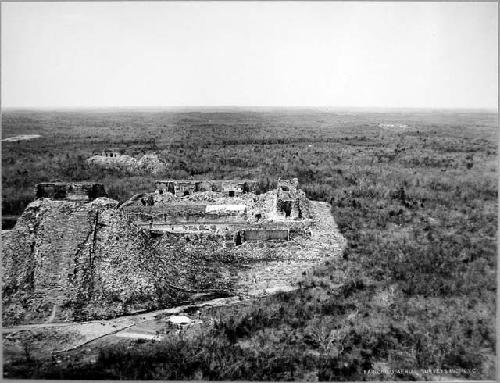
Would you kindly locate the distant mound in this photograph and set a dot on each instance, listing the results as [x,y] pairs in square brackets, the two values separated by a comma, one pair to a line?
[148,163]
[394,126]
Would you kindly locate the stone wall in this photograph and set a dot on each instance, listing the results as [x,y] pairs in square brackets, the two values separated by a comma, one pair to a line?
[288,186]
[291,202]
[73,191]
[230,188]
[214,228]
[265,234]
[182,214]
[172,210]
[207,211]
[303,205]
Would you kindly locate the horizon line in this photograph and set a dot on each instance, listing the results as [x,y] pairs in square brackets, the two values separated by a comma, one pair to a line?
[309,107]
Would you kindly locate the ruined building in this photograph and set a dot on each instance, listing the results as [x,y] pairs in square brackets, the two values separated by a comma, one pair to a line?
[111,153]
[115,159]
[230,188]
[291,201]
[227,208]
[73,191]
[226,211]
[74,256]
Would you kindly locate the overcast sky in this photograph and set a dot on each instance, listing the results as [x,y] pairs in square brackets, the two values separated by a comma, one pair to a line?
[230,53]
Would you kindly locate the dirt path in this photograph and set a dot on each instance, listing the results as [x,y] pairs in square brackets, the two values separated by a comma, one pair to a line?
[84,337]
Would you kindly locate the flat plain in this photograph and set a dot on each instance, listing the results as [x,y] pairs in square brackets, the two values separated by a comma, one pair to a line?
[414,193]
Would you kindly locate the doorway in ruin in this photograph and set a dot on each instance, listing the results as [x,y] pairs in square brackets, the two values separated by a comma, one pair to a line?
[231,193]
[237,239]
[45,191]
[286,207]
[60,192]
[186,192]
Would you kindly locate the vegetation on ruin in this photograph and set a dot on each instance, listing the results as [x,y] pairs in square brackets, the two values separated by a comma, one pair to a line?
[417,204]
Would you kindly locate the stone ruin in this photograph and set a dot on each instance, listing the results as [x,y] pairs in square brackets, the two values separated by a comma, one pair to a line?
[230,188]
[70,191]
[289,203]
[110,153]
[226,208]
[115,159]
[83,257]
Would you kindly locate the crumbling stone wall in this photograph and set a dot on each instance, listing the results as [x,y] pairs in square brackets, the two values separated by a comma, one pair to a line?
[162,208]
[288,187]
[74,191]
[111,153]
[287,203]
[265,234]
[181,214]
[231,188]
[291,202]
[303,205]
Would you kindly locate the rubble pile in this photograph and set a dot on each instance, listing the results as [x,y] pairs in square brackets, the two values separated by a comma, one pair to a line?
[148,163]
